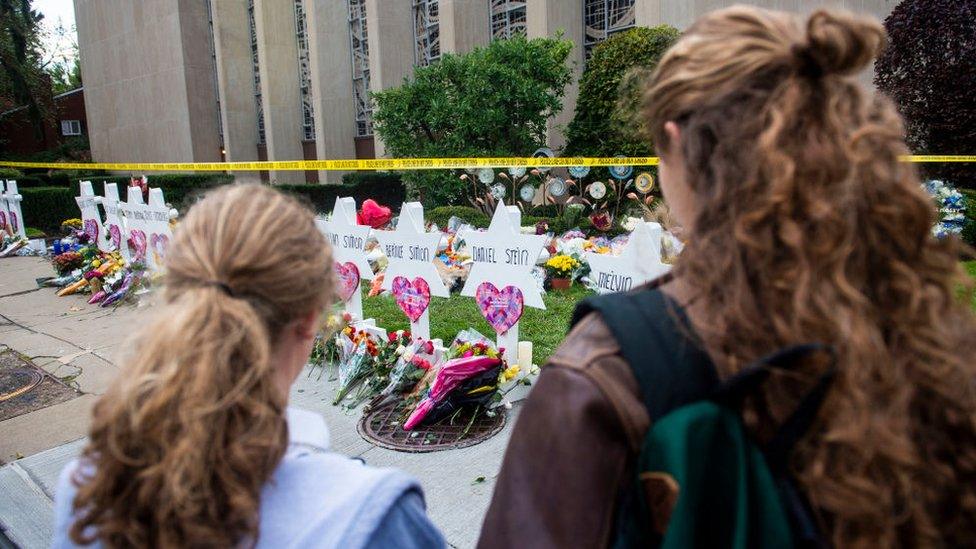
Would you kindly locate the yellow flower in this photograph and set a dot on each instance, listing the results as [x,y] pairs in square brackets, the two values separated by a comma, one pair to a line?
[511,372]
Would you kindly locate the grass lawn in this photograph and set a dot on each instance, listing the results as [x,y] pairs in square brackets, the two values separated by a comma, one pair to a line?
[545,328]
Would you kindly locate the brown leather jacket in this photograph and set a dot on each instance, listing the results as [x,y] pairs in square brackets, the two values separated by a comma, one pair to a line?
[572,450]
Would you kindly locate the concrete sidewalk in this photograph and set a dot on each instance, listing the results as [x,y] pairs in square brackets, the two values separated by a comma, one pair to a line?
[80,343]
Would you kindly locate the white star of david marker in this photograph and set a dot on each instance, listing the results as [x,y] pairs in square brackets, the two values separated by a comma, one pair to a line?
[347,237]
[504,256]
[639,262]
[411,250]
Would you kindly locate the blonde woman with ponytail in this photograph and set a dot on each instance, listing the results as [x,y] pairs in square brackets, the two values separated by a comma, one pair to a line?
[801,226]
[194,444]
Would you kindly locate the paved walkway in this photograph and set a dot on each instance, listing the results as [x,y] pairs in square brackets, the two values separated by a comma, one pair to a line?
[80,343]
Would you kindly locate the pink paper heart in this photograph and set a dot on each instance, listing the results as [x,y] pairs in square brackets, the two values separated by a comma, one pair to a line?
[412,297]
[91,229]
[159,244]
[137,242]
[116,235]
[501,308]
[348,274]
[13,221]
[3,219]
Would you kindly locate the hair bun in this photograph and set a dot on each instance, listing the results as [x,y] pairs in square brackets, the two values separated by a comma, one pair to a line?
[839,43]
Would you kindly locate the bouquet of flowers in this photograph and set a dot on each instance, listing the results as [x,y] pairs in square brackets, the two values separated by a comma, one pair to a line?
[952,208]
[68,226]
[413,364]
[384,361]
[359,349]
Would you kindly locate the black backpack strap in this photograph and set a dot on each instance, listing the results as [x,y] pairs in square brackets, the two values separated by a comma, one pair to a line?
[655,340]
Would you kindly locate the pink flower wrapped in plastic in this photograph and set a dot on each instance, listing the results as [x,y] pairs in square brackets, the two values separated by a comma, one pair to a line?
[452,374]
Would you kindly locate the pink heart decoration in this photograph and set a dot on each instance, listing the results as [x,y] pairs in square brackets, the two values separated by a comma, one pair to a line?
[3,219]
[91,229]
[137,242]
[13,221]
[116,235]
[159,244]
[348,274]
[501,308]
[412,297]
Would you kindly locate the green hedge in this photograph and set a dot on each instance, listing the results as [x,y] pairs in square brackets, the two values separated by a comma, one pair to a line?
[440,216]
[180,190]
[385,188]
[46,207]
[969,230]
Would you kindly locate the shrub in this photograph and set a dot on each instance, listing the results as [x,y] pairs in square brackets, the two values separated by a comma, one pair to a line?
[28,182]
[969,231]
[385,188]
[604,122]
[31,232]
[180,190]
[441,215]
[927,69]
[493,101]
[11,173]
[46,207]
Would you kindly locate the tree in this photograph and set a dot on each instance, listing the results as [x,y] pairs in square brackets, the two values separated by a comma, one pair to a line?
[605,123]
[22,77]
[492,101]
[928,70]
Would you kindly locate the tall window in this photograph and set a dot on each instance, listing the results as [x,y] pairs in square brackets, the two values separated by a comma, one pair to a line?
[256,67]
[213,59]
[601,18]
[304,72]
[360,67]
[426,32]
[507,18]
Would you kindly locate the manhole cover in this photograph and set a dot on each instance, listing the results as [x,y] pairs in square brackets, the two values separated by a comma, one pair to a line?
[15,382]
[382,426]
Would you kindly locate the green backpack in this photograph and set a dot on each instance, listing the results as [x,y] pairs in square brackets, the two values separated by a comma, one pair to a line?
[701,479]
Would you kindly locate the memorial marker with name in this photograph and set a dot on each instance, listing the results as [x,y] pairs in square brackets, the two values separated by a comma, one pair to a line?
[114,224]
[14,215]
[3,205]
[135,238]
[410,275]
[503,257]
[348,240]
[91,220]
[638,263]
[160,233]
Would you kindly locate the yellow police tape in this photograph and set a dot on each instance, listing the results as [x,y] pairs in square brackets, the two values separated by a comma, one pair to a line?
[389,164]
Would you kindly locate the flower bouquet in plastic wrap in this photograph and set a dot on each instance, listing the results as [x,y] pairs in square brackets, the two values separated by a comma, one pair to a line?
[468,381]
[359,348]
[415,360]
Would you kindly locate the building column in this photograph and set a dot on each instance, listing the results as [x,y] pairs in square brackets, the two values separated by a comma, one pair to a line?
[232,41]
[391,48]
[464,25]
[278,60]
[647,13]
[546,18]
[331,64]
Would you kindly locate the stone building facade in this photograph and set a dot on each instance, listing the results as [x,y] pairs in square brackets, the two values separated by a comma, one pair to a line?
[245,80]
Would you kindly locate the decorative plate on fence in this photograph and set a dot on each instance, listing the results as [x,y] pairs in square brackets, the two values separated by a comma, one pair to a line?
[544,152]
[527,193]
[516,171]
[644,182]
[579,171]
[621,172]
[486,175]
[383,426]
[556,187]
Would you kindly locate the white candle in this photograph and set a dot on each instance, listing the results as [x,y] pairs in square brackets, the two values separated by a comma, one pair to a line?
[525,355]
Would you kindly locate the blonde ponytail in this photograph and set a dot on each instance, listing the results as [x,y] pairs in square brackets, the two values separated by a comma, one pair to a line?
[183,441]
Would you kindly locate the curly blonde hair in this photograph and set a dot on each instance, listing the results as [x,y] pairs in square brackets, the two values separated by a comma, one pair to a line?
[184,439]
[809,228]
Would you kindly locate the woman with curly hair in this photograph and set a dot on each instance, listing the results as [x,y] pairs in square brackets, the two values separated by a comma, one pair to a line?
[802,226]
[193,445]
